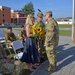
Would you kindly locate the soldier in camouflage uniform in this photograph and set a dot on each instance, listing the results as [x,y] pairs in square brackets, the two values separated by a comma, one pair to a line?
[23,34]
[50,40]
[41,39]
[10,36]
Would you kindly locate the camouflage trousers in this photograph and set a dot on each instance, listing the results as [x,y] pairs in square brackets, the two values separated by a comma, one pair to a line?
[56,40]
[41,47]
[51,54]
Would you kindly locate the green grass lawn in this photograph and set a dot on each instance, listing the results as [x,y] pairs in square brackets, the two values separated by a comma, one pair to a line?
[18,29]
[65,26]
[65,32]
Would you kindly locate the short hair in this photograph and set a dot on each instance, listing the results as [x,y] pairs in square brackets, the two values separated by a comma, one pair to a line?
[9,28]
[49,13]
[22,26]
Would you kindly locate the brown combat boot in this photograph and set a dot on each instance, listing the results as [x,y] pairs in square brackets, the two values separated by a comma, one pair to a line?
[51,68]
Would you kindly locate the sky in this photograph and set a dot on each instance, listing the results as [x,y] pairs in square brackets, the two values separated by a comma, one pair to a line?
[60,8]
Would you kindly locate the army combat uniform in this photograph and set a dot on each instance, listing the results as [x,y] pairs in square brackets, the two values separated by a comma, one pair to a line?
[41,39]
[50,40]
[23,35]
[56,33]
[10,37]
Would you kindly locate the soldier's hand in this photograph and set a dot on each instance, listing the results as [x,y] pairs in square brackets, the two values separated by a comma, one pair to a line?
[46,44]
[21,38]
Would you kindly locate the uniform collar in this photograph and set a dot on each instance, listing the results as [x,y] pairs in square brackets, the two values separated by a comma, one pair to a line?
[50,19]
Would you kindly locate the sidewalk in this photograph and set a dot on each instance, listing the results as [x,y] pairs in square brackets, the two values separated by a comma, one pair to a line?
[65,59]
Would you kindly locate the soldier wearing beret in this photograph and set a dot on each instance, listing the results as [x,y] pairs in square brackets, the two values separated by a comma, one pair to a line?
[10,36]
[41,39]
[51,40]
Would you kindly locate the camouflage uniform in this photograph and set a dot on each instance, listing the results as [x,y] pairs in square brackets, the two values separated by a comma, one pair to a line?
[41,39]
[56,33]
[23,35]
[10,37]
[50,39]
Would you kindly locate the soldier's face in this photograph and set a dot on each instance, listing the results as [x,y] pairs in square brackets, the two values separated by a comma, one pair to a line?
[46,17]
[23,28]
[9,30]
[40,18]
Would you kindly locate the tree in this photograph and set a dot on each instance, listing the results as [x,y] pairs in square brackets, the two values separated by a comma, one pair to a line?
[28,9]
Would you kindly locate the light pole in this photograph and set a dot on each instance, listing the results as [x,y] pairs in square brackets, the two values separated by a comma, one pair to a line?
[73,19]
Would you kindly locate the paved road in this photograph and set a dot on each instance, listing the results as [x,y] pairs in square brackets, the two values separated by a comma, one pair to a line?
[65,59]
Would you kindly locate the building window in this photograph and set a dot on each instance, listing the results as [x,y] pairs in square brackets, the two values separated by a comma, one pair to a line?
[3,14]
[3,20]
[3,8]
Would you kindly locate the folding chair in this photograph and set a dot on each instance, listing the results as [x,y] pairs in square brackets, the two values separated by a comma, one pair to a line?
[17,45]
[2,37]
[3,40]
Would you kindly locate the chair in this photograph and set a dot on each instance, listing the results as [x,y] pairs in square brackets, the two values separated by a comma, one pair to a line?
[2,37]
[17,45]
[3,40]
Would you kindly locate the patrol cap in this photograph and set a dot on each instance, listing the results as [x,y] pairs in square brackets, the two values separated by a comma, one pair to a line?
[48,13]
[9,28]
[40,14]
[22,26]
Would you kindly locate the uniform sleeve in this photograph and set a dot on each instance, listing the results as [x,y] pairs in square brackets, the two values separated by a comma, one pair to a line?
[14,37]
[49,32]
[21,34]
[7,37]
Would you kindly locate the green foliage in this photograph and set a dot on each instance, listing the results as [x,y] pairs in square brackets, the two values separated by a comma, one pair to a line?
[28,9]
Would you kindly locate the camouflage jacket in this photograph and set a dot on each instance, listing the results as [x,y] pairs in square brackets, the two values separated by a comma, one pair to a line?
[41,23]
[51,31]
[11,37]
[23,33]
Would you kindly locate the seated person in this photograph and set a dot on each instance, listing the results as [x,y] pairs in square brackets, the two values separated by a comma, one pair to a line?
[10,36]
[23,34]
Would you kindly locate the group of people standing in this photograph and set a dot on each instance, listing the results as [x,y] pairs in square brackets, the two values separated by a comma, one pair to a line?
[33,48]
[50,41]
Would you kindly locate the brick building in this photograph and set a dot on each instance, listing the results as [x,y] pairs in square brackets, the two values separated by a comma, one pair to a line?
[5,15]
[17,17]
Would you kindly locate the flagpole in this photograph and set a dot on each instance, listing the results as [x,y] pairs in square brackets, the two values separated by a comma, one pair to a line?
[73,10]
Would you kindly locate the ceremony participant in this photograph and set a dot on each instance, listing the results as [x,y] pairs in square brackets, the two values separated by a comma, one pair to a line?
[41,39]
[23,34]
[50,41]
[30,55]
[10,36]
